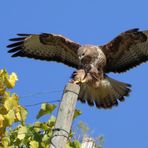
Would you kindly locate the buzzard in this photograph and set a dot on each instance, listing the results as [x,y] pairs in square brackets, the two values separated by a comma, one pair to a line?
[124,52]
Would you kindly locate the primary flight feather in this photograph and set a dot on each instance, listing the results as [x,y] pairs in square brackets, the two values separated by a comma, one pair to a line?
[124,52]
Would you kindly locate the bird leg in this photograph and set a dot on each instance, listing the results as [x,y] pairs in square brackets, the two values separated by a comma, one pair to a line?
[96,76]
[93,76]
[78,76]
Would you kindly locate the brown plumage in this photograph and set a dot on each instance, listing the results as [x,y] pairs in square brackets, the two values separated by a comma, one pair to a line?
[126,51]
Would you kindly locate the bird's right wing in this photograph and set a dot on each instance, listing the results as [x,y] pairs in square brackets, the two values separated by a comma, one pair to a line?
[50,47]
[127,50]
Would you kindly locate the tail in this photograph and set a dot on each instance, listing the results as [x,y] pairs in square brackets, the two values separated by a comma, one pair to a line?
[106,95]
[121,89]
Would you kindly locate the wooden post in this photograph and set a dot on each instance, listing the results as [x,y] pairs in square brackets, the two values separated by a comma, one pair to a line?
[88,142]
[65,116]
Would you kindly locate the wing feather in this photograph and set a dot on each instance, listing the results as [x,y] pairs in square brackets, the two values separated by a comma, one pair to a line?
[17,39]
[107,95]
[45,46]
[126,51]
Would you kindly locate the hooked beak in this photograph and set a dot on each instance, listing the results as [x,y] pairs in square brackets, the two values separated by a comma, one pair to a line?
[80,57]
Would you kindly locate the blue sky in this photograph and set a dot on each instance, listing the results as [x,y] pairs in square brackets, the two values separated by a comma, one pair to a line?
[86,22]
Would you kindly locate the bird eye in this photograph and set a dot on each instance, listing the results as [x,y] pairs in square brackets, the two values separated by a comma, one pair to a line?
[83,54]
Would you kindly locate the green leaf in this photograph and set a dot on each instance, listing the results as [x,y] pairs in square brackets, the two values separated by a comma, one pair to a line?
[74,144]
[37,126]
[51,121]
[45,138]
[41,125]
[46,108]
[77,113]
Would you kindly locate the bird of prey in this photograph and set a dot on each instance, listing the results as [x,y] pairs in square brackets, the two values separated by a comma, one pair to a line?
[92,63]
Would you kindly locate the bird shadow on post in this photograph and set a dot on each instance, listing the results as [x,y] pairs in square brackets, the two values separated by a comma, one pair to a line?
[65,116]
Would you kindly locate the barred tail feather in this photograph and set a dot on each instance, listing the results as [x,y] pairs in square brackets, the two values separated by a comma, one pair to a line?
[106,95]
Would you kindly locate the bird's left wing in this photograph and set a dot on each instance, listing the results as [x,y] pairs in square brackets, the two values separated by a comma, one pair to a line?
[50,47]
[126,51]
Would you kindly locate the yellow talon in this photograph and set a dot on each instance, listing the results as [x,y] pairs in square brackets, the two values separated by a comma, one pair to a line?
[77,81]
[83,81]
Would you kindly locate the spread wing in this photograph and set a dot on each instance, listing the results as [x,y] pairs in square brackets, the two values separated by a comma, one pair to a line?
[45,46]
[126,51]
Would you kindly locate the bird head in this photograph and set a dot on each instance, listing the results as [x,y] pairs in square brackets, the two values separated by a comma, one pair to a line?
[85,51]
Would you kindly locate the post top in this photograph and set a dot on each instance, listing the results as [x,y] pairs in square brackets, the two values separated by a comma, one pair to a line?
[75,88]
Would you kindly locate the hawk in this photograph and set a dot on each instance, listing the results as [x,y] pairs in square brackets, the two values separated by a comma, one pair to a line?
[93,63]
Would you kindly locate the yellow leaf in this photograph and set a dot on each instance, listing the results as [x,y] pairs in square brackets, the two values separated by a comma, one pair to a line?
[5,142]
[1,121]
[44,145]
[21,114]
[9,118]
[34,144]
[1,71]
[2,126]
[22,132]
[3,110]
[11,102]
[11,80]
[37,126]
[6,96]
[2,88]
